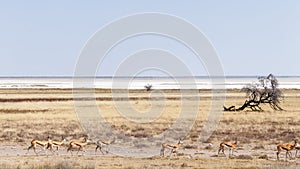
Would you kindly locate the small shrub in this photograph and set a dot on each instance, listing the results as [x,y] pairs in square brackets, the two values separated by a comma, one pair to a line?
[209,147]
[180,154]
[190,146]
[264,156]
[258,147]
[246,157]
[184,165]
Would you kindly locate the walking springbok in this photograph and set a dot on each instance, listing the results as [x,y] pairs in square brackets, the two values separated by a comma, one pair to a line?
[80,145]
[231,145]
[41,143]
[287,147]
[101,143]
[56,144]
[173,147]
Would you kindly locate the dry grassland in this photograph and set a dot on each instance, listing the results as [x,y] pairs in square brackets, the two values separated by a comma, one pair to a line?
[26,114]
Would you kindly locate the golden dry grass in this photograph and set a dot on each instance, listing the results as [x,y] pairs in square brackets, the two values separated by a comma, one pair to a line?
[42,162]
[26,114]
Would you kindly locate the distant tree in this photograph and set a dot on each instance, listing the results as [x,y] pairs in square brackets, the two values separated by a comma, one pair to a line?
[265,91]
[148,87]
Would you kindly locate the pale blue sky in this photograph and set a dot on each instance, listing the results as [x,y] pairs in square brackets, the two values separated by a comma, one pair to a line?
[252,37]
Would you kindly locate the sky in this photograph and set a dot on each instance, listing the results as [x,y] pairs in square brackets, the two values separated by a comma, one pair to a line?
[251,37]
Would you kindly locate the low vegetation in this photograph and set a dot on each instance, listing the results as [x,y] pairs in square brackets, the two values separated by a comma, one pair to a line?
[258,133]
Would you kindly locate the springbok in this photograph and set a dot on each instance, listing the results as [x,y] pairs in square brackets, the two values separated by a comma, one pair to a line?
[173,147]
[231,145]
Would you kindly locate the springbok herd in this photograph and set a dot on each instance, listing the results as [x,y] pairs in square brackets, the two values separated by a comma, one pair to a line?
[51,144]
[100,144]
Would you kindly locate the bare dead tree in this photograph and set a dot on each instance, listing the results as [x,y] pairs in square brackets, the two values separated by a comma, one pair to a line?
[148,87]
[265,91]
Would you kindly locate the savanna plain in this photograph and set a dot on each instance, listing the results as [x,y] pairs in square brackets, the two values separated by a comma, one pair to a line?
[28,114]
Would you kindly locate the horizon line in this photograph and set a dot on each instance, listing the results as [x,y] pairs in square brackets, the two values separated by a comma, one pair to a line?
[200,76]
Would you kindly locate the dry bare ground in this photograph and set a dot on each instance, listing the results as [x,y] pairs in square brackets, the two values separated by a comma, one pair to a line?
[28,114]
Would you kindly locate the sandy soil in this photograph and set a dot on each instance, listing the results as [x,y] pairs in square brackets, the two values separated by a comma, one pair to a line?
[28,114]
